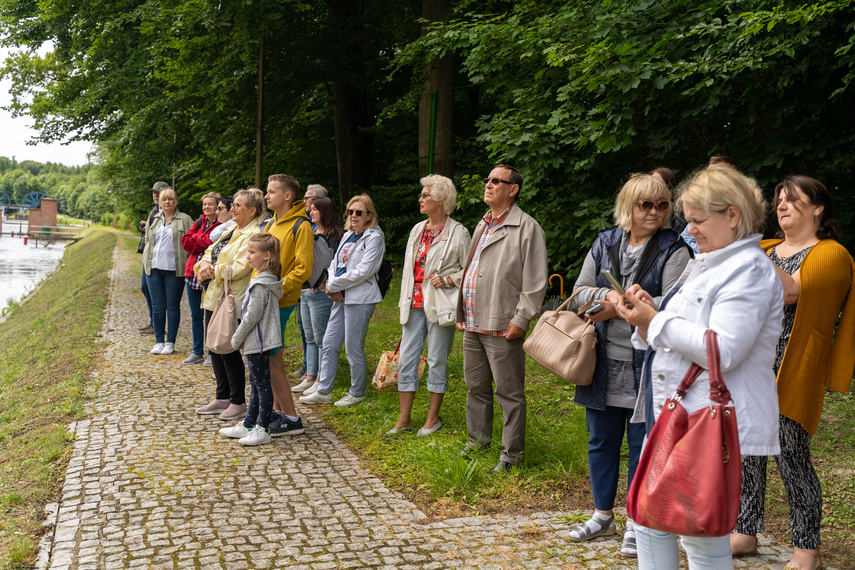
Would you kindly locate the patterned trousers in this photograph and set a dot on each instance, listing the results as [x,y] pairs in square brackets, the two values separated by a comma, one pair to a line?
[804,493]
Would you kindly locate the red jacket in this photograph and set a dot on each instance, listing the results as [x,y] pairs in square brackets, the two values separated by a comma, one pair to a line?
[195,242]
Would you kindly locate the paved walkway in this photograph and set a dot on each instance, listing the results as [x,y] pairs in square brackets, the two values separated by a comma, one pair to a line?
[152,485]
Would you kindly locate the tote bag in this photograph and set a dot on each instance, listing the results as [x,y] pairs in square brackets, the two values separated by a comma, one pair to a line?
[223,323]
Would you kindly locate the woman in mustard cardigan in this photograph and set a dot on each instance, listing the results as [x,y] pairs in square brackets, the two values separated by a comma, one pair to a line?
[817,273]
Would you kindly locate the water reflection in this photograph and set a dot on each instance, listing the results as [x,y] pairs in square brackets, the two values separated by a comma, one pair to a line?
[22,267]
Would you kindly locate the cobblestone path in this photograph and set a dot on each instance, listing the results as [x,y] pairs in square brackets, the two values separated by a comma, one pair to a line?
[152,485]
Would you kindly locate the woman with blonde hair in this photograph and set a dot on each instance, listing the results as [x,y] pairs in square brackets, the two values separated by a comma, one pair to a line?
[163,261]
[352,286]
[733,290]
[227,258]
[640,249]
[195,242]
[433,270]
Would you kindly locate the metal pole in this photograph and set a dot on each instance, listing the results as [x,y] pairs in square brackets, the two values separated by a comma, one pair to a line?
[434,96]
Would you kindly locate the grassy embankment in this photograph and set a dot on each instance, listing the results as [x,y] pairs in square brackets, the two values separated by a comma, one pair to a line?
[49,345]
[555,475]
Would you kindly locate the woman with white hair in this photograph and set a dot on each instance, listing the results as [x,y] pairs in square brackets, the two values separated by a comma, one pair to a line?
[732,289]
[433,270]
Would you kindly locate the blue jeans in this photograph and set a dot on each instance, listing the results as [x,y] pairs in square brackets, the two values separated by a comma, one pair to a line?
[348,325]
[315,314]
[302,330]
[144,289]
[606,429]
[194,299]
[413,337]
[657,550]
[165,289]
[260,393]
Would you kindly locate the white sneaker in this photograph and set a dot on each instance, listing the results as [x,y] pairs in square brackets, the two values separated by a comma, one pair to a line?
[312,389]
[158,348]
[168,348]
[347,401]
[258,436]
[237,431]
[303,386]
[317,398]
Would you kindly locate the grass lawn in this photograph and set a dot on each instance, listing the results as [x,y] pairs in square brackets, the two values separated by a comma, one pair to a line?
[48,348]
[555,472]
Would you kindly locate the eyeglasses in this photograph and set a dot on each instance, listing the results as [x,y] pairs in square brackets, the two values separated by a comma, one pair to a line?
[496,181]
[357,213]
[648,205]
[236,205]
[221,208]
[424,195]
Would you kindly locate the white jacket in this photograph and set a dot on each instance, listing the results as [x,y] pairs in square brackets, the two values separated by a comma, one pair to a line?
[736,292]
[359,281]
[445,257]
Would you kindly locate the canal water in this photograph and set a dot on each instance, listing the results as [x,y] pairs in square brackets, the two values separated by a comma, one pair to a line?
[22,267]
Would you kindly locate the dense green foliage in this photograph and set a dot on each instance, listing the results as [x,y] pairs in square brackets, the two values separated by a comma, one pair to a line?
[78,189]
[577,94]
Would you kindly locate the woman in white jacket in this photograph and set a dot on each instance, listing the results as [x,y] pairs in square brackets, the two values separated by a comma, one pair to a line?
[352,286]
[433,269]
[733,289]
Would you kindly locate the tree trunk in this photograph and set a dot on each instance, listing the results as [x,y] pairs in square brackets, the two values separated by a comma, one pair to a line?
[350,105]
[439,76]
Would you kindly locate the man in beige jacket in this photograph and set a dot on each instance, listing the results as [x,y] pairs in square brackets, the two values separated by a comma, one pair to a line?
[503,288]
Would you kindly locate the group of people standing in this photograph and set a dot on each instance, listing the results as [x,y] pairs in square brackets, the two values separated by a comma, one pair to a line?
[774,305]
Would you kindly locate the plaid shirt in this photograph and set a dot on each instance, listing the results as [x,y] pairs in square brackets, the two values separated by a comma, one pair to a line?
[468,285]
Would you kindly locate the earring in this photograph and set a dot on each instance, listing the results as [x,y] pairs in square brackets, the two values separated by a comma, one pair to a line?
[815,218]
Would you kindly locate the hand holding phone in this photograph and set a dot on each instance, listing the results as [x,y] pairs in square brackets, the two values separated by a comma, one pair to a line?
[595,309]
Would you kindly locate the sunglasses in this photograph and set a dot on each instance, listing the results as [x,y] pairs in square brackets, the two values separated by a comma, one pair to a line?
[496,181]
[648,205]
[221,208]
[358,213]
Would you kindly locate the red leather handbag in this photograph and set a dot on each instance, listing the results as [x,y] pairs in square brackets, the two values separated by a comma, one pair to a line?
[690,473]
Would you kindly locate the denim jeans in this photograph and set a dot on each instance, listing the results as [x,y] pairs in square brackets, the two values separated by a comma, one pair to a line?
[194,299]
[147,295]
[657,550]
[260,393]
[315,314]
[439,344]
[348,325]
[165,289]
[606,429]
[302,330]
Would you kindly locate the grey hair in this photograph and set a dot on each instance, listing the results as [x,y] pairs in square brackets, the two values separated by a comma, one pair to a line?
[442,190]
[317,191]
[253,198]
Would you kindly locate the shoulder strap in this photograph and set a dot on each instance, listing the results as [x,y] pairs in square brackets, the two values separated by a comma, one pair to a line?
[296,226]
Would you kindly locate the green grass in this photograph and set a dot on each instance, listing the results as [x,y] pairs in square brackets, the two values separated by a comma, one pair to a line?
[555,472]
[48,348]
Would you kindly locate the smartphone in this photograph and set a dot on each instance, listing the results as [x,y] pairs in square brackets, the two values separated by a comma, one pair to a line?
[614,282]
[595,309]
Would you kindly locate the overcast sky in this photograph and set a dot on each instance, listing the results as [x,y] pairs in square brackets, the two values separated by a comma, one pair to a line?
[16,132]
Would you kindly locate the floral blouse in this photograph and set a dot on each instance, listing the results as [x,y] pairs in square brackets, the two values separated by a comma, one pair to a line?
[428,237]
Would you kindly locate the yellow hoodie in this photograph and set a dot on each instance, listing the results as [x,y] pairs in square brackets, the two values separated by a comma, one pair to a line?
[296,254]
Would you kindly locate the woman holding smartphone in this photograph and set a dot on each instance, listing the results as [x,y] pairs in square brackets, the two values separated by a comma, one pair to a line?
[639,249]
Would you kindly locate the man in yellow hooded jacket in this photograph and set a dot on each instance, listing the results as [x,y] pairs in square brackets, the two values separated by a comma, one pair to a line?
[296,254]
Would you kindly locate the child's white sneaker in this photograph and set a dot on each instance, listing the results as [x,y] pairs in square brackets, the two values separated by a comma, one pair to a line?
[258,436]
[237,431]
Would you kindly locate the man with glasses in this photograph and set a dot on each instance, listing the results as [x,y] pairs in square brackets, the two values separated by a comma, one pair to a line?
[503,288]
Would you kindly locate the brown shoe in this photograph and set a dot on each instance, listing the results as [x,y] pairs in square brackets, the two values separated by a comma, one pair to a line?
[214,408]
[233,412]
[147,330]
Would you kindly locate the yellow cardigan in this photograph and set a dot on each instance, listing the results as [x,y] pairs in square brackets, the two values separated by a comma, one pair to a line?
[816,357]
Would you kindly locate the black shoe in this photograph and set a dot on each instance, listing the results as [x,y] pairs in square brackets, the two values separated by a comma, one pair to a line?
[281,425]
[501,467]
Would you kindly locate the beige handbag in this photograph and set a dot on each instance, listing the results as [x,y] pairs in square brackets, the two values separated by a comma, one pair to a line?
[565,343]
[223,323]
